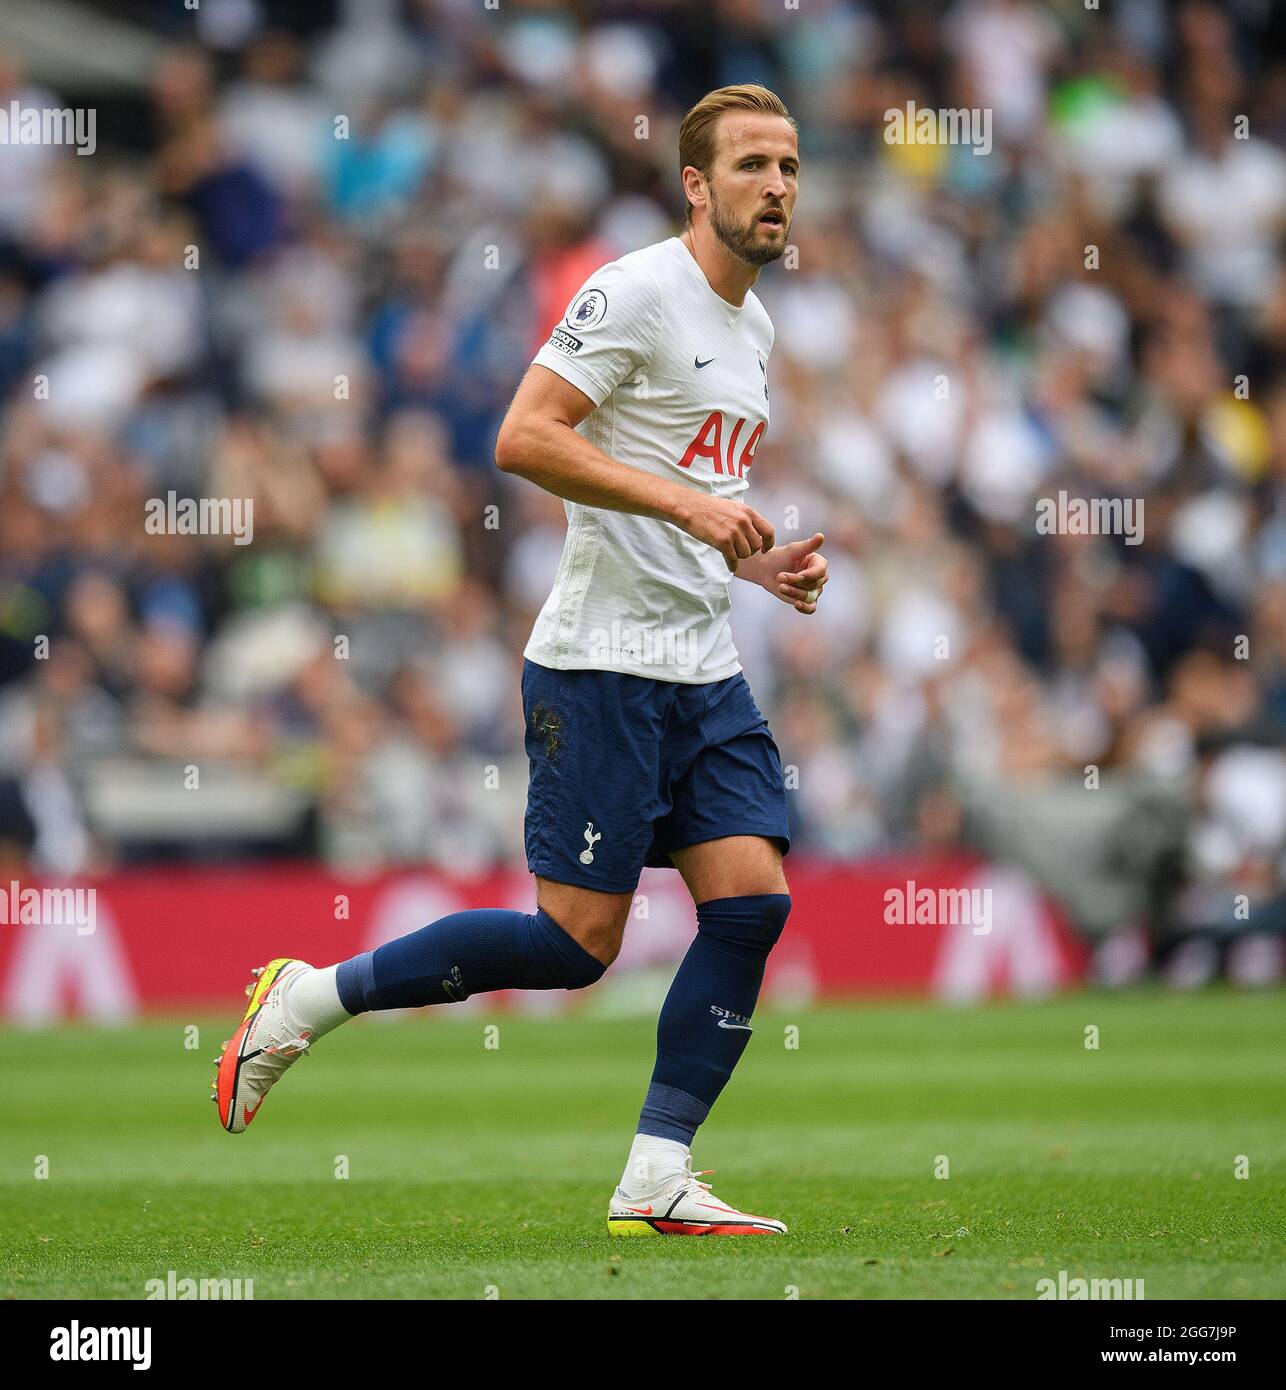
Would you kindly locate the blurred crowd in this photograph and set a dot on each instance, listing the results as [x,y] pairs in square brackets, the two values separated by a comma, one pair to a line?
[311,258]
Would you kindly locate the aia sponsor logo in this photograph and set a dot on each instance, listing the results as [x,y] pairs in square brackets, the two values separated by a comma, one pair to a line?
[709,444]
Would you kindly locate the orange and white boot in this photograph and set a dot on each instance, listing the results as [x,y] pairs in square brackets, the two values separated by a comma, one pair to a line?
[684,1206]
[268,1040]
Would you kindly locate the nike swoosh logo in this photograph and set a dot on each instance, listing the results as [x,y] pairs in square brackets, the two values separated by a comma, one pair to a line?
[745,1027]
[247,1114]
[642,1211]
[698,363]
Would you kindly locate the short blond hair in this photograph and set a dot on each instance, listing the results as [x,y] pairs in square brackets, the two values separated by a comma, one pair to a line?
[696,134]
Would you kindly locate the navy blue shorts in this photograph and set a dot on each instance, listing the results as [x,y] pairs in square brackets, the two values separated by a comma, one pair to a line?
[625,769]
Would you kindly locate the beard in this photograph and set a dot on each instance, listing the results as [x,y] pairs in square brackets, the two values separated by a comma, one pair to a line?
[745,242]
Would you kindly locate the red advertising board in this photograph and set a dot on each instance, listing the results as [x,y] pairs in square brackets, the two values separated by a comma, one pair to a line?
[186,938]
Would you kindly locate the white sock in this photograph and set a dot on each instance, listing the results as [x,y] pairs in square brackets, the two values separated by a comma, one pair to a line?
[313,999]
[651,1162]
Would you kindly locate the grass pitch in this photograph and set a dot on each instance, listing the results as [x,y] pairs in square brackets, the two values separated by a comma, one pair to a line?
[477,1172]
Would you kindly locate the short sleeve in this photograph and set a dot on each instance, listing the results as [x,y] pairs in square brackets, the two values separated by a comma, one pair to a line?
[608,333]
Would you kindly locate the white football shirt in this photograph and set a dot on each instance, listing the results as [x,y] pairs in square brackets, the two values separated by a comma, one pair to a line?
[680,380]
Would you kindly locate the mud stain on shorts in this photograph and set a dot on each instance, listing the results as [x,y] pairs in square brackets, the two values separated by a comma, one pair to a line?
[547,724]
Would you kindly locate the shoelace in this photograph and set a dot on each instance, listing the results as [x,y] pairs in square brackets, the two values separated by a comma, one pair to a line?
[696,1176]
[294,1048]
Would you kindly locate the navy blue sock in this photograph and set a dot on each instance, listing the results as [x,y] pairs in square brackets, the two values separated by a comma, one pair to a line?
[466,953]
[705,1022]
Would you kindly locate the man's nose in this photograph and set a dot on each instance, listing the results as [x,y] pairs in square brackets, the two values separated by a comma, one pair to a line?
[776,185]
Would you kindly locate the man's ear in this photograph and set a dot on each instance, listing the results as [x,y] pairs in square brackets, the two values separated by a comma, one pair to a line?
[695,186]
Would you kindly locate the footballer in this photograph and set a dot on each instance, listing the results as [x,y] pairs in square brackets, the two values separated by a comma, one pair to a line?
[643,411]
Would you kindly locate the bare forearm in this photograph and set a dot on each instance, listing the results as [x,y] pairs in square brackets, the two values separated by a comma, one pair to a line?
[538,441]
[553,456]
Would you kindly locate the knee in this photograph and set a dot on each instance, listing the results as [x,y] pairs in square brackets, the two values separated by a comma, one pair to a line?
[594,921]
[776,911]
[587,970]
[584,946]
[755,922]
[602,941]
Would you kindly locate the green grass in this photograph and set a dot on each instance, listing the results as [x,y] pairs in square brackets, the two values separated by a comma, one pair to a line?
[474,1168]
